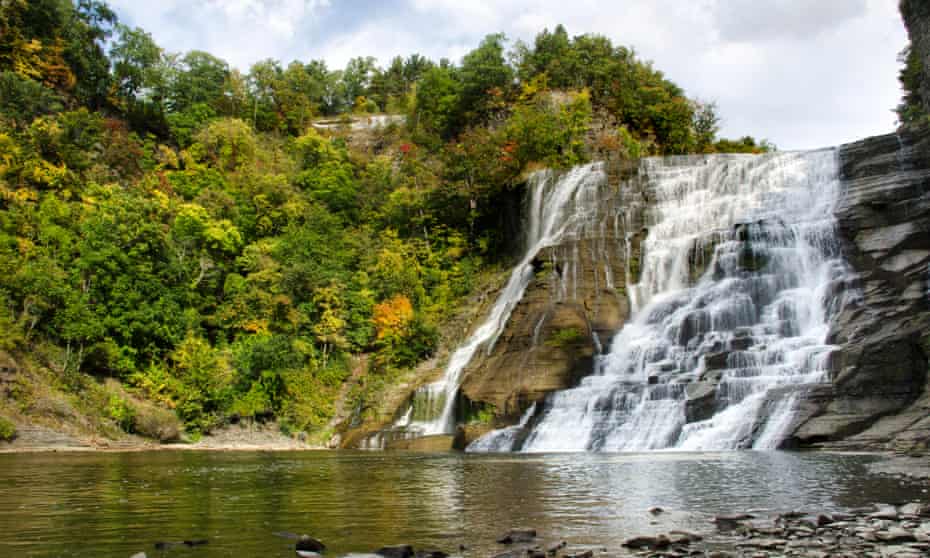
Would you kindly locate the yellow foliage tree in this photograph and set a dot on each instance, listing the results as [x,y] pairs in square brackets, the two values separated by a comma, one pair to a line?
[392,317]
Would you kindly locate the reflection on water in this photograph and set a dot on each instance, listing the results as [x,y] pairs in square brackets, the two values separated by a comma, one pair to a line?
[113,505]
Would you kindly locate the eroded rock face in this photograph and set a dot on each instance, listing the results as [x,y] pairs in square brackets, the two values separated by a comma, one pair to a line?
[570,311]
[879,396]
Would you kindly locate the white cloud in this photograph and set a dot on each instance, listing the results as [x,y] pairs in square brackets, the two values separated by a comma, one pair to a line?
[800,73]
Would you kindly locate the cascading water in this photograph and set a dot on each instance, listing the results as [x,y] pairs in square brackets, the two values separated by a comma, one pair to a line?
[557,207]
[741,274]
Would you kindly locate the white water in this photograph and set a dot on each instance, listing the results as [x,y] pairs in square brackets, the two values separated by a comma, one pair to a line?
[557,207]
[714,344]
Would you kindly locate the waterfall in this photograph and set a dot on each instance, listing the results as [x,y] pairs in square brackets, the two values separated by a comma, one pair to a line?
[741,273]
[557,206]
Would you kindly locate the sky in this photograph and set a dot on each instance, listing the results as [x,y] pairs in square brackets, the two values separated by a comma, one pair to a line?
[800,73]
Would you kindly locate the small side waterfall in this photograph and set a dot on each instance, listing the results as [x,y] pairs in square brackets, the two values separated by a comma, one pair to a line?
[740,276]
[557,206]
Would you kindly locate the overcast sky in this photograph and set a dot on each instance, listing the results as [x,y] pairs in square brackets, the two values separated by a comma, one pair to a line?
[801,73]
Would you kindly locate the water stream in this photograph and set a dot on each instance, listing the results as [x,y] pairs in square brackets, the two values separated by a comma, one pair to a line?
[558,206]
[741,274]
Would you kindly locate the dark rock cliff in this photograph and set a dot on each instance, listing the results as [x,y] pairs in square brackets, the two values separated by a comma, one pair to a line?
[879,396]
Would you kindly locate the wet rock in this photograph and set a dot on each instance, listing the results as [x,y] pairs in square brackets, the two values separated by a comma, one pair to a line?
[914,509]
[398,551]
[518,536]
[765,544]
[824,519]
[885,512]
[139,555]
[307,543]
[732,521]
[196,542]
[648,542]
[656,510]
[680,535]
[716,361]
[896,535]
[585,554]
[700,400]
[430,554]
[553,550]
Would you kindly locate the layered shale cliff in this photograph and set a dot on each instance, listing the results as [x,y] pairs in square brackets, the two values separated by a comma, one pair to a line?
[576,301]
[878,397]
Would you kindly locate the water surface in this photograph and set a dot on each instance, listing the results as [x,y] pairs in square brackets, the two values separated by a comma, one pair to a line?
[114,505]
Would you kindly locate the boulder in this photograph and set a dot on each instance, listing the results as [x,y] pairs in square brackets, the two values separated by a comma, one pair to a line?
[700,400]
[518,536]
[648,542]
[307,543]
[398,551]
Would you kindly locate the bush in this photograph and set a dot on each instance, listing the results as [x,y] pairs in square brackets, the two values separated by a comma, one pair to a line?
[157,423]
[121,412]
[7,430]
[565,337]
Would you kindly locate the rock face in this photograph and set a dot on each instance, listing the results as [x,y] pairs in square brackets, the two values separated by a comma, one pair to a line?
[879,396]
[568,313]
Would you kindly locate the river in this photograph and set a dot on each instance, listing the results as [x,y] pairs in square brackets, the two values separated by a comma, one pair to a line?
[117,504]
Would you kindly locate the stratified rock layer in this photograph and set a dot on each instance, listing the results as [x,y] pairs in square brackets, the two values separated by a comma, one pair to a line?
[879,397]
[569,312]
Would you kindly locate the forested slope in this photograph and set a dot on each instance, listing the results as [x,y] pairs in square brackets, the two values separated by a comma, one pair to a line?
[182,246]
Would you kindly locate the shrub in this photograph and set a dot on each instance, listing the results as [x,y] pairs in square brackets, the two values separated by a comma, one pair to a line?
[121,412]
[564,337]
[7,430]
[157,423]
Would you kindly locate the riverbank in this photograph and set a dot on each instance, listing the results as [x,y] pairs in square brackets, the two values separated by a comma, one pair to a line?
[236,437]
[881,531]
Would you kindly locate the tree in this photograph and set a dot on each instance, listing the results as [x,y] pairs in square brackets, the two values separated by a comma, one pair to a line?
[706,124]
[485,77]
[357,78]
[199,78]
[135,57]
[436,106]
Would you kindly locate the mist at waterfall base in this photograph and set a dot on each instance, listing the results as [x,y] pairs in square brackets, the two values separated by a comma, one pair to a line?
[739,278]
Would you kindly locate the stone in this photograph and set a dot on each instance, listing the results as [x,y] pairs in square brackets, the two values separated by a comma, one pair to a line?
[430,554]
[716,361]
[656,510]
[139,555]
[518,536]
[398,551]
[309,544]
[647,542]
[914,509]
[585,554]
[896,535]
[766,544]
[691,537]
[438,442]
[884,512]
